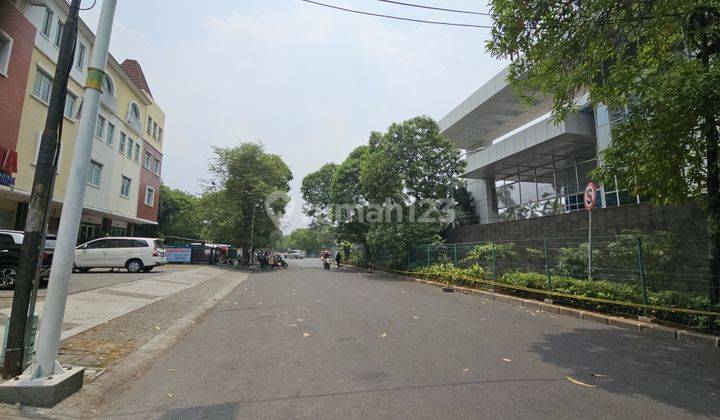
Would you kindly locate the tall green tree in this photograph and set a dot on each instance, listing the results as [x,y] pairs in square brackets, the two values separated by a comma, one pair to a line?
[316,192]
[247,196]
[658,58]
[178,215]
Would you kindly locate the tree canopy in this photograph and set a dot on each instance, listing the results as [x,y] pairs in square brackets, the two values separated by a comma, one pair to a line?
[658,60]
[386,195]
[247,195]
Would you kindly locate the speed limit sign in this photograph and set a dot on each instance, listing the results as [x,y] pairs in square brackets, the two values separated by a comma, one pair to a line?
[590,196]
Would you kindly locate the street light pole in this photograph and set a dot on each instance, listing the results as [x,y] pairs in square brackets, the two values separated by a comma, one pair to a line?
[48,343]
[23,303]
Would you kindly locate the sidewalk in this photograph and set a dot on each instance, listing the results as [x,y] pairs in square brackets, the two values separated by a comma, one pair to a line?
[143,318]
[103,343]
[87,309]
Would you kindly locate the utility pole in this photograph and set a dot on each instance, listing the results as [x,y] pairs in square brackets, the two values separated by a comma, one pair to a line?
[48,342]
[38,210]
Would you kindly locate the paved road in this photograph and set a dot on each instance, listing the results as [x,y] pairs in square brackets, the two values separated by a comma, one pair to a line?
[308,343]
[80,282]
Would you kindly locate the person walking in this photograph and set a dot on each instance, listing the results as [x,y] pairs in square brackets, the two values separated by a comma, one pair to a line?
[337,258]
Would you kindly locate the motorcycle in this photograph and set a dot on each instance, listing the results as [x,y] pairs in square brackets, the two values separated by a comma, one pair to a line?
[327,262]
[280,262]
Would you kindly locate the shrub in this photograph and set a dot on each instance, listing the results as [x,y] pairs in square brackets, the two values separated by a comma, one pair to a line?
[483,254]
[573,261]
[602,289]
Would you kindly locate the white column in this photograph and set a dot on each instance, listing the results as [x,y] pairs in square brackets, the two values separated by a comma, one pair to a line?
[48,340]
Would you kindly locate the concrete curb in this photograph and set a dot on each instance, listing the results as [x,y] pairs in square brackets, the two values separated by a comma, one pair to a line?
[116,378]
[614,321]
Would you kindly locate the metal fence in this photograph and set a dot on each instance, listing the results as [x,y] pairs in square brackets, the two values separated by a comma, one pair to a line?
[662,275]
[657,262]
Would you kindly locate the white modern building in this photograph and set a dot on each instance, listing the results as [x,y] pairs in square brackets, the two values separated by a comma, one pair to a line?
[519,163]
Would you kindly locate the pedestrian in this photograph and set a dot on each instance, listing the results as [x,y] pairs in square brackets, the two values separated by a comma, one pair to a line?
[337,259]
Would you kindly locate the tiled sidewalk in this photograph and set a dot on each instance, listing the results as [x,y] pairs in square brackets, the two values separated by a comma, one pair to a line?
[100,346]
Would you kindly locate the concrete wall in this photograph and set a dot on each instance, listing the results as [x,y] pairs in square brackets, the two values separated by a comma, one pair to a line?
[687,220]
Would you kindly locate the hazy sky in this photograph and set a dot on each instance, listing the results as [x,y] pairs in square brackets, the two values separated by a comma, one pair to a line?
[310,83]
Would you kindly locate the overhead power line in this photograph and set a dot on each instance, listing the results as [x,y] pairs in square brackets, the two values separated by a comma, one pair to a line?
[468,12]
[361,12]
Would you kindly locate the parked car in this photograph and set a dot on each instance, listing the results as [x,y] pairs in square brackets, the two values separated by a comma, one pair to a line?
[134,254]
[295,254]
[10,245]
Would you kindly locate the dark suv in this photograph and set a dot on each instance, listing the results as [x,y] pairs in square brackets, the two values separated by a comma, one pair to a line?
[10,245]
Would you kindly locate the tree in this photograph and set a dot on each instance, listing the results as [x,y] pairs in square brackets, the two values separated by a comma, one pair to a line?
[247,197]
[411,167]
[316,192]
[178,215]
[657,59]
[310,239]
[346,192]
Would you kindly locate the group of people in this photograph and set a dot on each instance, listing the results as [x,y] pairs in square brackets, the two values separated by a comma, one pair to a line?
[269,259]
[327,255]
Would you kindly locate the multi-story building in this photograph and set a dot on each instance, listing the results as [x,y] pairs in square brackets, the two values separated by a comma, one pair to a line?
[519,163]
[116,183]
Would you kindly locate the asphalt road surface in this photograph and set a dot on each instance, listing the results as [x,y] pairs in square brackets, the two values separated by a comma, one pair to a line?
[99,277]
[309,343]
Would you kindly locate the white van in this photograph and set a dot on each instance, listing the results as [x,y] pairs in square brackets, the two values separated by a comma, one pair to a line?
[135,254]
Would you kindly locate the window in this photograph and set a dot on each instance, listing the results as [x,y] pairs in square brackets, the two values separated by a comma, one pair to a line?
[121,146]
[156,167]
[149,125]
[94,171]
[155,127]
[70,101]
[110,137]
[149,196]
[100,244]
[133,118]
[130,148]
[80,54]
[100,127]
[6,44]
[47,22]
[125,187]
[58,33]
[42,85]
[160,134]
[146,162]
[137,152]
[108,86]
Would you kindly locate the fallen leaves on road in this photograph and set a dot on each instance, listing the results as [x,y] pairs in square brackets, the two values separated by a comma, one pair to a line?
[466,370]
[169,395]
[171,370]
[505,359]
[598,375]
[299,320]
[383,335]
[415,317]
[306,334]
[157,328]
[576,382]
[292,325]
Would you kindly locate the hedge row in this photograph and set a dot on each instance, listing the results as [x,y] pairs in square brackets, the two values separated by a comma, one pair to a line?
[603,289]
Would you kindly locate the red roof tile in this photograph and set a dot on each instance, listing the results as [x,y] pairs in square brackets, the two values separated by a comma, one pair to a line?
[133,69]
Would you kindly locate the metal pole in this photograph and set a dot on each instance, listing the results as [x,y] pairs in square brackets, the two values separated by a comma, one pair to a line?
[48,342]
[493,260]
[589,244]
[252,235]
[547,265]
[31,254]
[641,270]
